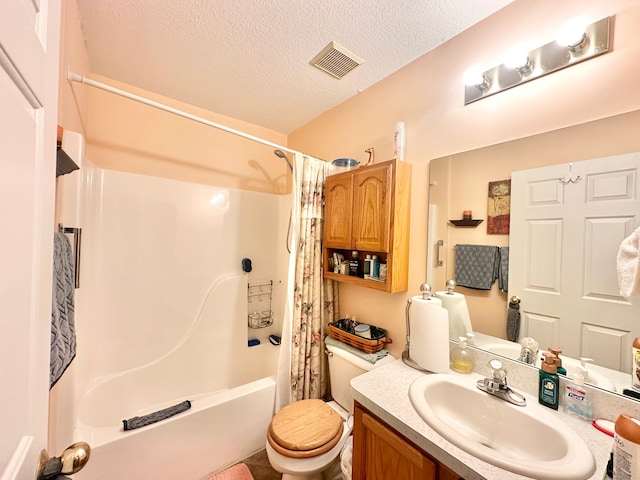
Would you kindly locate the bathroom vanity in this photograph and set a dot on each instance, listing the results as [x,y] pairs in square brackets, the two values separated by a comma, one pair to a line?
[380,452]
[392,441]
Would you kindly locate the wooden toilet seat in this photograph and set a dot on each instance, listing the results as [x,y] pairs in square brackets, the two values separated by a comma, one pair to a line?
[306,428]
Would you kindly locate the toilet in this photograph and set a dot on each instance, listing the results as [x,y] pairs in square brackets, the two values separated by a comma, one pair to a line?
[306,436]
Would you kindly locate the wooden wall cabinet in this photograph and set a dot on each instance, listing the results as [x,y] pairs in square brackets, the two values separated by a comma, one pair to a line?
[368,210]
[381,453]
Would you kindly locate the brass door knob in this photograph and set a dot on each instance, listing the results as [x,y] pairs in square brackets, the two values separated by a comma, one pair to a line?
[71,461]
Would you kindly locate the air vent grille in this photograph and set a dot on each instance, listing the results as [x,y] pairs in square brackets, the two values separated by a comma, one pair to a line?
[336,60]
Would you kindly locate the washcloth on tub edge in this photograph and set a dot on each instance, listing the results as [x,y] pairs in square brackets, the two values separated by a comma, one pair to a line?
[143,421]
[369,357]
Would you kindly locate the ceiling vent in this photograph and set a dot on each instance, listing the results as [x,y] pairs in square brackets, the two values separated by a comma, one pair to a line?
[336,60]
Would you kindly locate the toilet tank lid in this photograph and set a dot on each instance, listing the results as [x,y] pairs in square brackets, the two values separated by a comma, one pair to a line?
[358,361]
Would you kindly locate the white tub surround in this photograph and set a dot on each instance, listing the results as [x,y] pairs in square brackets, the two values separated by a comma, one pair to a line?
[165,319]
[384,392]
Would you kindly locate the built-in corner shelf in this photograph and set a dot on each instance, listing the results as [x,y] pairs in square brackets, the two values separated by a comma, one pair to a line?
[466,223]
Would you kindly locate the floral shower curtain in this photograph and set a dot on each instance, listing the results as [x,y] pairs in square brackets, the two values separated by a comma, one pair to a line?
[312,302]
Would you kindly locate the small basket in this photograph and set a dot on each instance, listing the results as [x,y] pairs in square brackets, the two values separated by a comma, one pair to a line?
[378,340]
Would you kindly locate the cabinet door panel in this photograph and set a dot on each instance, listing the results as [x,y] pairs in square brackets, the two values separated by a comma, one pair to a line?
[338,212]
[382,454]
[372,215]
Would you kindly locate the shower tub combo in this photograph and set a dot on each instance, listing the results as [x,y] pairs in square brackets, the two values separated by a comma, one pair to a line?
[162,318]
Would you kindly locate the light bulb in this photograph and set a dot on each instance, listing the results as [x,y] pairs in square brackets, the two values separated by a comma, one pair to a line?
[473,76]
[572,34]
[518,59]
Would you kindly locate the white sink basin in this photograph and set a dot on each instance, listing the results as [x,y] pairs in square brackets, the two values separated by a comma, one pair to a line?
[528,440]
[512,350]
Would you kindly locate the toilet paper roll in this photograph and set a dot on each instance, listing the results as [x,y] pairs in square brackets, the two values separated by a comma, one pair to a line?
[459,319]
[429,334]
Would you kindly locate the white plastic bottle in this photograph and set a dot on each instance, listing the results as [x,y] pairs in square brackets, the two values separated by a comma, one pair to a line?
[577,400]
[398,142]
[368,266]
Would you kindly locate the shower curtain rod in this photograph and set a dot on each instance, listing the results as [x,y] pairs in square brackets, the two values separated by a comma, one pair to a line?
[75,77]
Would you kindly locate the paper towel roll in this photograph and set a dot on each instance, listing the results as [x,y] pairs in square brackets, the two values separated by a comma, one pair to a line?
[429,330]
[459,320]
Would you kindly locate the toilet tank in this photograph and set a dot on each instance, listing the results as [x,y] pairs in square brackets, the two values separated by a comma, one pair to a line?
[343,366]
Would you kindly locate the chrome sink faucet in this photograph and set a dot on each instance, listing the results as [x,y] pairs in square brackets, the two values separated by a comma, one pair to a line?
[529,351]
[497,385]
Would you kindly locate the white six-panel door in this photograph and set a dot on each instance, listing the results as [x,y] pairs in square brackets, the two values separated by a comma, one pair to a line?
[564,242]
[29,51]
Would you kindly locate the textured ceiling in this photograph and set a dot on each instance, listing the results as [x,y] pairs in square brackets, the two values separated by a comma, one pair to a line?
[249,59]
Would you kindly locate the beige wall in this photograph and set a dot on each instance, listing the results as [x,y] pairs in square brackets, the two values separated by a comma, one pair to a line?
[428,95]
[125,135]
[129,136]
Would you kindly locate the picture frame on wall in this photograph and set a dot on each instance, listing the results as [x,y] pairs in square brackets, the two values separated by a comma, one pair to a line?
[499,207]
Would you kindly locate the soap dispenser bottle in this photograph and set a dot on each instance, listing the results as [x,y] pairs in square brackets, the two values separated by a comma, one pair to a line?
[577,399]
[549,385]
[461,357]
[557,351]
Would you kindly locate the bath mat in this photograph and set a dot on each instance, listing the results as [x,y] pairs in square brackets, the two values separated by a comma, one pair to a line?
[238,472]
[137,422]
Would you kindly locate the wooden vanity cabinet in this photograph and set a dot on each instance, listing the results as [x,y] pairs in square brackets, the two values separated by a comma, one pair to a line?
[368,210]
[381,453]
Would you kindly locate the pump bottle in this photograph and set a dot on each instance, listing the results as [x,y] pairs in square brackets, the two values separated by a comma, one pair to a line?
[577,398]
[549,385]
[461,357]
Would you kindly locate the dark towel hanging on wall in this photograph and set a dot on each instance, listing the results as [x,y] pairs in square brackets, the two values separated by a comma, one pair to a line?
[513,319]
[503,272]
[63,331]
[477,266]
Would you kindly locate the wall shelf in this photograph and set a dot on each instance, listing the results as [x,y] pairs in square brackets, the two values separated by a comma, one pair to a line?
[466,223]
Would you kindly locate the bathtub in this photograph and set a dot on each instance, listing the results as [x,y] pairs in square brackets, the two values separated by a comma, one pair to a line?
[231,388]
[219,430]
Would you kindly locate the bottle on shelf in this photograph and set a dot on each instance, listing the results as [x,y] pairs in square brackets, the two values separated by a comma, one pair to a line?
[375,263]
[354,264]
[368,270]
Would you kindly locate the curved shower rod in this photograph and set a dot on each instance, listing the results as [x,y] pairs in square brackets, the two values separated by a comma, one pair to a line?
[75,77]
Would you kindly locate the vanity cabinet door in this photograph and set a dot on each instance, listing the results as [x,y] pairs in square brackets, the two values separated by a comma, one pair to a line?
[379,453]
[338,211]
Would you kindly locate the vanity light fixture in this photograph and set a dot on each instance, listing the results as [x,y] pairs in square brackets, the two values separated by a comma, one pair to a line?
[575,43]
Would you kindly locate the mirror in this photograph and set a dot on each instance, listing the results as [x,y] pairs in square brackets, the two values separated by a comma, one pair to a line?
[459,183]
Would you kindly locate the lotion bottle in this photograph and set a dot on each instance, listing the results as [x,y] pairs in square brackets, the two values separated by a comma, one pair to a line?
[626,448]
[577,398]
[549,385]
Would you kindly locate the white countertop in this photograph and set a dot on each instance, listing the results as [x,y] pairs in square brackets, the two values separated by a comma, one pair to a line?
[384,392]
